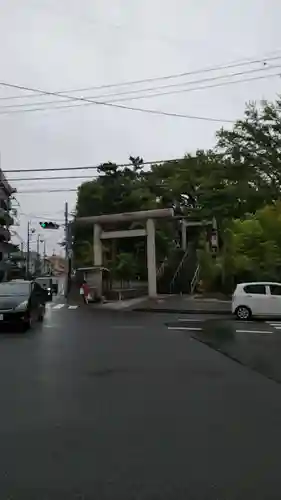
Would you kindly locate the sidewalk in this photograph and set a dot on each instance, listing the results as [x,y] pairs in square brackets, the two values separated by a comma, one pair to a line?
[119,305]
[169,304]
[185,305]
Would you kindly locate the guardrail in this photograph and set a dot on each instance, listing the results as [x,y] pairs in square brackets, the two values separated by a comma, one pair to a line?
[195,279]
[178,269]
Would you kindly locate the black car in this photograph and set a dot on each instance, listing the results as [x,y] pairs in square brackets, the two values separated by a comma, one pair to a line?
[22,302]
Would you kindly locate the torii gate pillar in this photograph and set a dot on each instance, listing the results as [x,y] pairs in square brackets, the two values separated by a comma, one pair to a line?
[148,216]
[151,258]
[97,245]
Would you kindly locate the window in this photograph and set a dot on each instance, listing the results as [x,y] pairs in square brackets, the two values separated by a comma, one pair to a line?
[275,289]
[255,289]
[14,288]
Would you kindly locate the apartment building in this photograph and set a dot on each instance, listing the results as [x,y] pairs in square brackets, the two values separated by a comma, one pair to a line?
[6,191]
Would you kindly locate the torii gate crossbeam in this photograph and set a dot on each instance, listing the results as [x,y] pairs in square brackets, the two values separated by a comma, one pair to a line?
[146,215]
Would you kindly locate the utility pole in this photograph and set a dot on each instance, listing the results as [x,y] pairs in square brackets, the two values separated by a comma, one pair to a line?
[44,257]
[38,254]
[28,250]
[66,250]
[38,241]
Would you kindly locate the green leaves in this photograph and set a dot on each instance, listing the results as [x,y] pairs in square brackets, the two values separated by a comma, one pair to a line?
[252,248]
[125,267]
[238,182]
[253,147]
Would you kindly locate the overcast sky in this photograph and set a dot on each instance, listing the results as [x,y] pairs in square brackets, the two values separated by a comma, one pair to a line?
[58,45]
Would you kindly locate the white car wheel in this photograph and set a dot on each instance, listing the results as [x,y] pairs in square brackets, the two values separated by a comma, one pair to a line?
[243,313]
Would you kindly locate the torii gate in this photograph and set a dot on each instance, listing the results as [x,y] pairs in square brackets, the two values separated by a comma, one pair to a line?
[146,215]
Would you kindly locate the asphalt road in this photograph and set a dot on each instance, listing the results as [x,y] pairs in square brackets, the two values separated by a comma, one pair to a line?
[99,405]
[254,344]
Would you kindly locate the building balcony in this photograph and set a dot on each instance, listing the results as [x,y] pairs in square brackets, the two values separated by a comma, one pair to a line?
[5,234]
[5,186]
[5,218]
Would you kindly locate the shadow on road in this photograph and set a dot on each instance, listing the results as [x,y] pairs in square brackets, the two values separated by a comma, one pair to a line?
[256,345]
[13,331]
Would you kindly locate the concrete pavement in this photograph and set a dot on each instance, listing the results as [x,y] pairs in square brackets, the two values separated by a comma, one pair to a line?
[184,304]
[173,304]
[120,406]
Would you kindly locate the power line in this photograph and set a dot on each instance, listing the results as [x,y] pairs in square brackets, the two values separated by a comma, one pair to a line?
[56,190]
[41,217]
[67,106]
[64,190]
[46,104]
[192,89]
[233,64]
[119,106]
[53,178]
[87,167]
[60,190]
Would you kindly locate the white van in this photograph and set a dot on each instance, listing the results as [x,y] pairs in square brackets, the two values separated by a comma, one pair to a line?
[257,299]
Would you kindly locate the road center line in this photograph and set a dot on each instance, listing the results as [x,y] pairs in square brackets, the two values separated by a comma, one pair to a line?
[127,327]
[191,320]
[191,328]
[253,331]
[72,307]
[58,306]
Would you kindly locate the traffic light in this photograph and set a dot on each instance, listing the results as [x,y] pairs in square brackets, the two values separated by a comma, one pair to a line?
[49,225]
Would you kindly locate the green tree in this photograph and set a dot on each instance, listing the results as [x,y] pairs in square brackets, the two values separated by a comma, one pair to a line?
[115,190]
[125,267]
[251,251]
[241,176]
[252,156]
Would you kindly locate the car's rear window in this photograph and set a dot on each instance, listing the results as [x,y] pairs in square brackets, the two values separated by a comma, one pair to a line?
[11,288]
[258,289]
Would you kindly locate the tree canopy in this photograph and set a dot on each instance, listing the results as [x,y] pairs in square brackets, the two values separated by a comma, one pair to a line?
[238,182]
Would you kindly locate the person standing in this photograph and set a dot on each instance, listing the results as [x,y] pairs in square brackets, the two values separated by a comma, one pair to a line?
[85,291]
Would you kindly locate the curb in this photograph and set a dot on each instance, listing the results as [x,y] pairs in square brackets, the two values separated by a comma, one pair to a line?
[182,311]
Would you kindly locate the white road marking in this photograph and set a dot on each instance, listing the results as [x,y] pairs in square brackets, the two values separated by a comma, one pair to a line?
[276,325]
[72,307]
[58,306]
[127,327]
[193,320]
[253,331]
[190,328]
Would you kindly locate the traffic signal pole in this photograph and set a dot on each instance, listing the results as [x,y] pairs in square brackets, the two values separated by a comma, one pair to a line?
[52,225]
